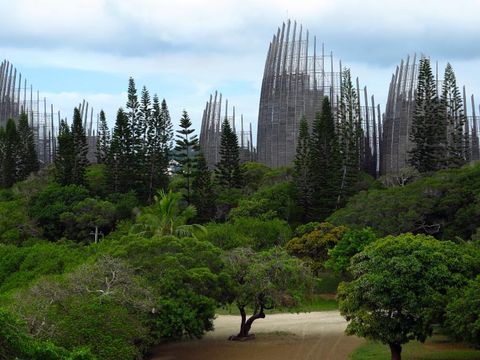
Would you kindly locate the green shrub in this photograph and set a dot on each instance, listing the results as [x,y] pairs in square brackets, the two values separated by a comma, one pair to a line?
[248,232]
[462,320]
[351,243]
[313,241]
[446,205]
[51,203]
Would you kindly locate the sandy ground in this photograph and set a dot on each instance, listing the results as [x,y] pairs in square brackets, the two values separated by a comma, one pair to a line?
[309,336]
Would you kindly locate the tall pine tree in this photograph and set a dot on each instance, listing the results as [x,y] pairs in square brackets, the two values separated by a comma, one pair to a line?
[137,127]
[65,156]
[350,137]
[452,110]
[10,155]
[228,171]
[156,153]
[103,139]
[28,159]
[80,149]
[167,129]
[121,158]
[325,163]
[428,132]
[187,145]
[302,171]
[203,195]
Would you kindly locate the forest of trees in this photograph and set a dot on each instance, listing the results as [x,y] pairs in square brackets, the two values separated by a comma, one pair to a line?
[146,245]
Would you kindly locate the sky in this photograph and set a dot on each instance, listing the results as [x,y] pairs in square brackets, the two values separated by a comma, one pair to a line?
[184,50]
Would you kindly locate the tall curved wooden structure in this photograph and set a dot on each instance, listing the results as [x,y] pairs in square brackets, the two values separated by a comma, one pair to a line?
[17,96]
[397,122]
[298,74]
[216,111]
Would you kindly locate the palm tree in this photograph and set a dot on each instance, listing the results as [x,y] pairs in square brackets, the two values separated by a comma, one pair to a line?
[166,217]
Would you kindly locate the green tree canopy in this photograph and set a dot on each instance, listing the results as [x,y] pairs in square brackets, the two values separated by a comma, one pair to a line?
[264,280]
[399,287]
[462,319]
[312,242]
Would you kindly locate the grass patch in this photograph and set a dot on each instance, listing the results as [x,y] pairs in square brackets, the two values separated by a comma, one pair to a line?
[435,348]
[317,303]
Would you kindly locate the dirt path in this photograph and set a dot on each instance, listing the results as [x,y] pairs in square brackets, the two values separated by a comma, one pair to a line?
[306,336]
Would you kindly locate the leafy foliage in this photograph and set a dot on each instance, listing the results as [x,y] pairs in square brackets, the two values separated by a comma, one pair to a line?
[313,241]
[265,280]
[351,243]
[399,287]
[445,205]
[250,232]
[203,197]
[462,319]
[48,206]
[15,343]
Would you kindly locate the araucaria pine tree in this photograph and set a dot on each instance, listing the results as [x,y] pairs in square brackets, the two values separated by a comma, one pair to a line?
[452,110]
[158,146]
[9,155]
[137,127]
[65,155]
[350,136]
[228,171]
[325,163]
[103,139]
[187,145]
[80,149]
[121,159]
[203,195]
[302,171]
[428,133]
[27,155]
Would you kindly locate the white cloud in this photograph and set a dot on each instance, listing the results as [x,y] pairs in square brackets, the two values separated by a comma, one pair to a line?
[189,48]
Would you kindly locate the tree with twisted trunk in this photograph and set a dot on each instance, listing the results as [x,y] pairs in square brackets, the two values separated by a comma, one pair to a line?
[263,281]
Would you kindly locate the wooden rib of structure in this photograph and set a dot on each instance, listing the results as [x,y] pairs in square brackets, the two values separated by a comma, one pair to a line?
[17,96]
[298,74]
[215,112]
[395,140]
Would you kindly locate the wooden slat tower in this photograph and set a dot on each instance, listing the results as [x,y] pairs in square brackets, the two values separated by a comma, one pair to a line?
[298,74]
[395,139]
[17,96]
[216,110]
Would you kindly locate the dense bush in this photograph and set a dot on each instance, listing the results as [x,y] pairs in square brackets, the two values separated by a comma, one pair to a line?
[463,313]
[312,242]
[15,226]
[270,201]
[251,232]
[99,305]
[20,266]
[351,243]
[446,205]
[15,343]
[186,276]
[49,204]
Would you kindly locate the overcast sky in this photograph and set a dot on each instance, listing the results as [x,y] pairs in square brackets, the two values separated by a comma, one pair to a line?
[186,49]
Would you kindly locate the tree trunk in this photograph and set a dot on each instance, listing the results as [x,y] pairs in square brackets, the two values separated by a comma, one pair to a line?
[246,325]
[396,351]
[242,332]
